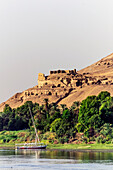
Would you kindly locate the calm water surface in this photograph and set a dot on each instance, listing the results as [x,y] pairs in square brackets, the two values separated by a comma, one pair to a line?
[50,160]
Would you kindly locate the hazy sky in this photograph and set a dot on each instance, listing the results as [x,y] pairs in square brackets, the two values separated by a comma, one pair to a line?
[42,35]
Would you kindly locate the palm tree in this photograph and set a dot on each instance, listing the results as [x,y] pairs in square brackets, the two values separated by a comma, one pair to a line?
[63,107]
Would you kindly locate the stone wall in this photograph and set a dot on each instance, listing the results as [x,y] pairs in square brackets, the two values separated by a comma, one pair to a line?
[63,71]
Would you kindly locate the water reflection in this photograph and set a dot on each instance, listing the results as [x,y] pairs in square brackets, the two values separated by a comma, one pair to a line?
[55,159]
[75,155]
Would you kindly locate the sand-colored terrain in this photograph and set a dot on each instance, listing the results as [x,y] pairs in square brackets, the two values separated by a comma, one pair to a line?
[67,86]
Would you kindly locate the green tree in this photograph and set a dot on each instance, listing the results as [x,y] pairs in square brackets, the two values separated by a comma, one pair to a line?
[89,113]
[102,95]
[7,109]
[106,110]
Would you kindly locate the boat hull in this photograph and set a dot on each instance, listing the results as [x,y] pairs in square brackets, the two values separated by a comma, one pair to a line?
[32,147]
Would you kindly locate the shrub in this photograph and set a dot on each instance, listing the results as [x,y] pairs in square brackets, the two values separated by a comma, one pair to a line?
[61,140]
[99,139]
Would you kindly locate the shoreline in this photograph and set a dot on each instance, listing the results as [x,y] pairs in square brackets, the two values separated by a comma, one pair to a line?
[69,147]
[82,150]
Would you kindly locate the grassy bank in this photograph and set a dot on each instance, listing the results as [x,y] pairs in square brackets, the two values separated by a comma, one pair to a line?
[80,146]
[67,146]
[8,139]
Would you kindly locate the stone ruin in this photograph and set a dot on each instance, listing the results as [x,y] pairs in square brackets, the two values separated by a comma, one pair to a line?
[69,78]
[54,77]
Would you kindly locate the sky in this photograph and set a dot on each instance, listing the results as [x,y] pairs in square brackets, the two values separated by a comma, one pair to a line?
[43,35]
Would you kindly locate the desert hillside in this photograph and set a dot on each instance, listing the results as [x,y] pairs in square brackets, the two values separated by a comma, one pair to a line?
[67,86]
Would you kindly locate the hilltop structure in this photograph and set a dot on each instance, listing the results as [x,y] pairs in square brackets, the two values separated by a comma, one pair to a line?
[56,78]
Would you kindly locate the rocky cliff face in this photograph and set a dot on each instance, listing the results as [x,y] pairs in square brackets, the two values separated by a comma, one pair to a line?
[67,86]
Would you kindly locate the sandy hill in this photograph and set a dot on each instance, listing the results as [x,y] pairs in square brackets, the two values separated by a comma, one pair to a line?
[67,86]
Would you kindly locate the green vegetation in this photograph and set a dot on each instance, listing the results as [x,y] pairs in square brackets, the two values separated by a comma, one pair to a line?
[88,122]
[16,136]
[81,146]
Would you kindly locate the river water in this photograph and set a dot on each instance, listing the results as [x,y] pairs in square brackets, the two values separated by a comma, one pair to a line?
[55,160]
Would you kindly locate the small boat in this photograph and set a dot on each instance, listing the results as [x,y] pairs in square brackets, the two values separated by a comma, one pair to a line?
[36,145]
[30,146]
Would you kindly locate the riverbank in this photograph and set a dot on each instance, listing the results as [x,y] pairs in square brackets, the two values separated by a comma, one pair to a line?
[8,139]
[81,146]
[67,146]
